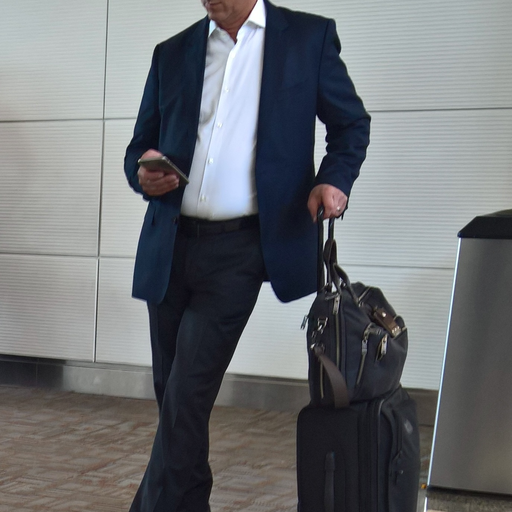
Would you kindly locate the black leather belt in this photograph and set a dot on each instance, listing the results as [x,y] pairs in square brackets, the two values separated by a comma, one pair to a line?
[194,228]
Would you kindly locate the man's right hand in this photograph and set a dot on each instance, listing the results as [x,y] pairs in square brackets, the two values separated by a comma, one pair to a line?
[155,182]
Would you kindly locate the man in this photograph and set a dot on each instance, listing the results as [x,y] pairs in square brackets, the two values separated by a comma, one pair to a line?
[232,101]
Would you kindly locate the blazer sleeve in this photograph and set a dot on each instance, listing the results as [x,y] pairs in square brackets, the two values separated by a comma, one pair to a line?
[346,120]
[147,127]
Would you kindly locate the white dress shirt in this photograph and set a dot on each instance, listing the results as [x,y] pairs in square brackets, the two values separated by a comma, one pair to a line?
[222,184]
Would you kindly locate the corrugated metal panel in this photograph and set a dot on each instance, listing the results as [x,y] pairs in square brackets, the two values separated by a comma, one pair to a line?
[429,54]
[123,326]
[427,175]
[49,198]
[47,306]
[53,59]
[135,28]
[122,209]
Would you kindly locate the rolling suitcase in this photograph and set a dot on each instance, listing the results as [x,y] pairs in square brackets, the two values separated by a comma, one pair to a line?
[360,458]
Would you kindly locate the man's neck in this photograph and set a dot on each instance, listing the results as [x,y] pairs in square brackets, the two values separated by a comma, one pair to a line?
[233,26]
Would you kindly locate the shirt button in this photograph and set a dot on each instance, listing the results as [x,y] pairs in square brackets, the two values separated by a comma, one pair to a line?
[210,160]
[202,199]
[219,125]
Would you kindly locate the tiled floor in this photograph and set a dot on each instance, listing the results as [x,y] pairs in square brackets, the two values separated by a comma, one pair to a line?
[69,452]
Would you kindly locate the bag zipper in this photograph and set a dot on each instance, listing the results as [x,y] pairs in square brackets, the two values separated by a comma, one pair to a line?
[335,311]
[370,329]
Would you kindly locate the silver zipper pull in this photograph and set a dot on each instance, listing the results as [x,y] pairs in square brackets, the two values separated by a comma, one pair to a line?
[336,305]
[304,322]
[364,352]
[383,347]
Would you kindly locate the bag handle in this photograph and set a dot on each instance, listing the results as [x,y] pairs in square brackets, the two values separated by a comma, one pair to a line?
[327,258]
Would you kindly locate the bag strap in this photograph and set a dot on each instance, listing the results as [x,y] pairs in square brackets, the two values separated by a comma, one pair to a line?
[338,383]
[327,260]
[345,282]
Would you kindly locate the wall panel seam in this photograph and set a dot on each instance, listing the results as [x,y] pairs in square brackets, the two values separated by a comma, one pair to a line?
[50,255]
[422,110]
[53,120]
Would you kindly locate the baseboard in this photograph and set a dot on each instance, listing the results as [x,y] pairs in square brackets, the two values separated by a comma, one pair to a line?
[247,391]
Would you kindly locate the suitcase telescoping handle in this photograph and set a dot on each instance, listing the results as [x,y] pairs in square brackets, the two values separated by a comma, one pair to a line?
[330,247]
[327,259]
[320,276]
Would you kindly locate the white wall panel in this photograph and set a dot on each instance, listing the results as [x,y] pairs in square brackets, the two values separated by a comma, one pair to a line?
[135,28]
[427,175]
[49,198]
[123,326]
[53,59]
[47,306]
[273,343]
[122,209]
[432,54]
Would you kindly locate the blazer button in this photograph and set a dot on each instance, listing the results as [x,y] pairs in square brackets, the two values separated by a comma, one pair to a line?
[175,220]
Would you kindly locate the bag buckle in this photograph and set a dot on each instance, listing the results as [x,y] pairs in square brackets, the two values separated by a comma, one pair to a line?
[321,324]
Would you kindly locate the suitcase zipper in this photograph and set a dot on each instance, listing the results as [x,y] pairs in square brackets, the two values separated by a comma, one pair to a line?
[329,468]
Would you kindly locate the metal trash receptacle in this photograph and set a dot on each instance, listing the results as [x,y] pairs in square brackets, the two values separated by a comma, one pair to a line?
[472,447]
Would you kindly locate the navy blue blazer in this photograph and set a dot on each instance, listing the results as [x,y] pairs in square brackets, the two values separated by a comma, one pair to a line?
[303,77]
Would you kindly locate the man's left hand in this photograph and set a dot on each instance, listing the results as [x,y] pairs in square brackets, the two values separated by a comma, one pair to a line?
[333,200]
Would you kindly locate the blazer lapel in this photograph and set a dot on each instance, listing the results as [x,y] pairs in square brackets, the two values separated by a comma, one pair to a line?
[272,75]
[193,76]
[273,57]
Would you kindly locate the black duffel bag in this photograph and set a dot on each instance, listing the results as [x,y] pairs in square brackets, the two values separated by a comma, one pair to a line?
[357,345]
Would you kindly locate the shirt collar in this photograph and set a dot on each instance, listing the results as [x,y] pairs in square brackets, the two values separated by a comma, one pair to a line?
[258,17]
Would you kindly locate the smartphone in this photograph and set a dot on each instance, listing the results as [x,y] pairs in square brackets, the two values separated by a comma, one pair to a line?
[162,163]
